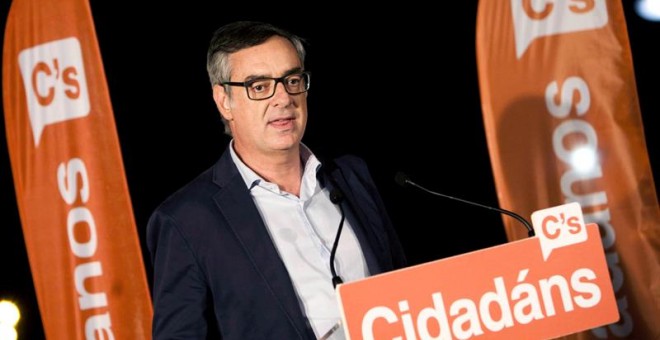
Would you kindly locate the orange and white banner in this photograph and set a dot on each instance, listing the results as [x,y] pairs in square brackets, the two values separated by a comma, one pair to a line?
[68,172]
[542,287]
[563,125]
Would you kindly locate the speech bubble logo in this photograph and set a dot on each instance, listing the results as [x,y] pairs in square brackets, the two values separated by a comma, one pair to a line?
[533,19]
[55,83]
[559,226]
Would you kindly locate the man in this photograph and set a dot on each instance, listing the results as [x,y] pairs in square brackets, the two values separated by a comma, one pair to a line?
[245,248]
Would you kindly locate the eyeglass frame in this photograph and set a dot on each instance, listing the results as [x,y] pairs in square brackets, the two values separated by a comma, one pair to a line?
[246,84]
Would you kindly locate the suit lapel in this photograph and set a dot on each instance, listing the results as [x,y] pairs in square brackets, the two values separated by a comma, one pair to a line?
[373,241]
[236,204]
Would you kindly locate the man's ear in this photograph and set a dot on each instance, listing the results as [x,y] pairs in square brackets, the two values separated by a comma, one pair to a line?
[222,101]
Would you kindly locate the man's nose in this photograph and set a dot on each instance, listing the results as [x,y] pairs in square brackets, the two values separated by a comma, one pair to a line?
[281,96]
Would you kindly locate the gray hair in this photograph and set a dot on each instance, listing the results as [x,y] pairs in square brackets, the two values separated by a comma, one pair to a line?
[234,37]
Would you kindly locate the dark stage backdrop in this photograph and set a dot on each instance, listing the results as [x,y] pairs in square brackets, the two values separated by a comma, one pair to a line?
[416,109]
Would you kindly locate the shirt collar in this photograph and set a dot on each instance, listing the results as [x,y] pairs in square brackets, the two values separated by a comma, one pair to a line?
[311,166]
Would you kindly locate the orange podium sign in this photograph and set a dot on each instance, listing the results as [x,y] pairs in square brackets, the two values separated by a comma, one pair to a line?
[550,285]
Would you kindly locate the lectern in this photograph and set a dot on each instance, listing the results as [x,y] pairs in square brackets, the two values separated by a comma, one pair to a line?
[553,284]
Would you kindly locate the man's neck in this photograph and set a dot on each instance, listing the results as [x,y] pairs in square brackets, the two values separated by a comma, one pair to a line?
[283,168]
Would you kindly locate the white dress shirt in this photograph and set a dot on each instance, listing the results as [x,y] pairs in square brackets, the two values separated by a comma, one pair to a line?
[303,230]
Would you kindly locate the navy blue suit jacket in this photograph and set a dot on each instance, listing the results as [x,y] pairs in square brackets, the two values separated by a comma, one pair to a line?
[216,267]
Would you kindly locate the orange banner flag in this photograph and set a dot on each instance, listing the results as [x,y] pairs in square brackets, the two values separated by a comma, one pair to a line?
[563,124]
[72,194]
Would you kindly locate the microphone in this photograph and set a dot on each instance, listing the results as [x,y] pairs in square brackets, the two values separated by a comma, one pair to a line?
[403,180]
[336,197]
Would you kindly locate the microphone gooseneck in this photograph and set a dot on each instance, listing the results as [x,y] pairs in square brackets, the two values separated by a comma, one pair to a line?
[336,197]
[402,179]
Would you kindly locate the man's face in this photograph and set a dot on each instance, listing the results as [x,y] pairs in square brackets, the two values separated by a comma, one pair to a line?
[273,125]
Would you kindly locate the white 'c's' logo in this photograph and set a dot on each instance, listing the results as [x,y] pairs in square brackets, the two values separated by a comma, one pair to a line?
[55,84]
[537,18]
[559,226]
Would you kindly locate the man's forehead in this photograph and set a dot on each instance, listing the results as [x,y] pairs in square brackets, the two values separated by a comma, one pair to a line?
[275,55]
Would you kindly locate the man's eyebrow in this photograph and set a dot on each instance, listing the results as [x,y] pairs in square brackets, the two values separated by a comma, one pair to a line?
[263,76]
[292,71]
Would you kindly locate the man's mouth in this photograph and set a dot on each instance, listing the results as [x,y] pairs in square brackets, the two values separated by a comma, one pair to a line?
[281,122]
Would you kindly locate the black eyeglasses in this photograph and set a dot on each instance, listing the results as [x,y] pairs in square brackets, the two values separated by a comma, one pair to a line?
[264,88]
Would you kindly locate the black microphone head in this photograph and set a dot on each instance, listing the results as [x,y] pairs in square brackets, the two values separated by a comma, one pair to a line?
[336,196]
[401,179]
[336,280]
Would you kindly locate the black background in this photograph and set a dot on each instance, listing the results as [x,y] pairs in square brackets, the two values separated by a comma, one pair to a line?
[417,109]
